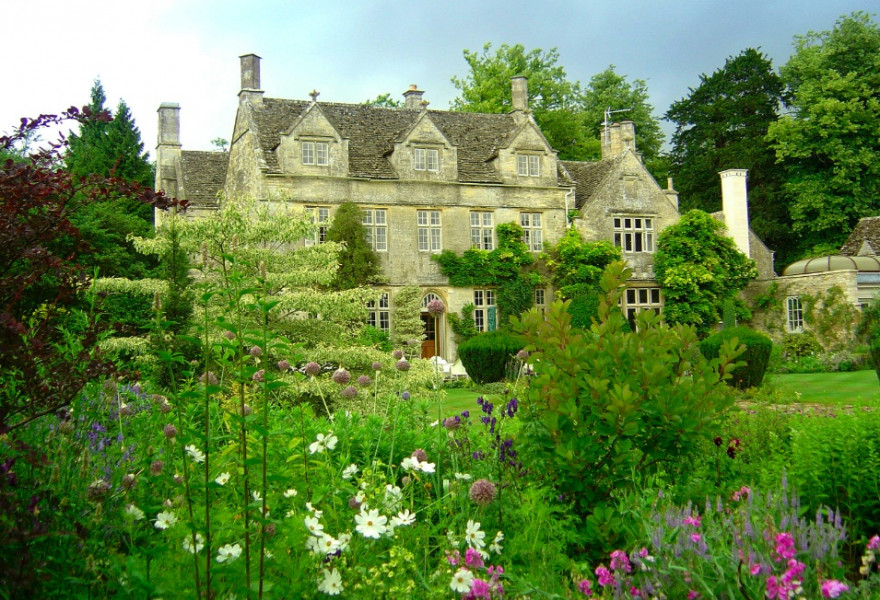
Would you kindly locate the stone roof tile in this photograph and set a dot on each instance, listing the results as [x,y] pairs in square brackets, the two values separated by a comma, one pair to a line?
[867,230]
[588,176]
[204,174]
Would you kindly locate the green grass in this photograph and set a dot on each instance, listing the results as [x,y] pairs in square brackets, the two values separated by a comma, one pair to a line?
[855,387]
[460,399]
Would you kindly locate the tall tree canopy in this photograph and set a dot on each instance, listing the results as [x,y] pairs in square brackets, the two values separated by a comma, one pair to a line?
[359,264]
[722,124]
[830,142]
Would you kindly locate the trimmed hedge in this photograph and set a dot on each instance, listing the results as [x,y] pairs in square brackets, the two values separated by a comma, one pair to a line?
[485,356]
[757,354]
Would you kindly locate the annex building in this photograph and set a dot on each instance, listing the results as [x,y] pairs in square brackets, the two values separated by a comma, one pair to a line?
[432,180]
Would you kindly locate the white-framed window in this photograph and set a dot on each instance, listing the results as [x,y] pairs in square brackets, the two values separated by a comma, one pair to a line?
[482,230]
[375,223]
[320,216]
[533,235]
[528,165]
[634,234]
[485,310]
[642,298]
[426,159]
[541,300]
[795,311]
[429,230]
[316,153]
[378,313]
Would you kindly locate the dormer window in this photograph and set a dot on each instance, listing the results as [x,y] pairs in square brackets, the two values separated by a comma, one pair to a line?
[426,159]
[528,165]
[316,153]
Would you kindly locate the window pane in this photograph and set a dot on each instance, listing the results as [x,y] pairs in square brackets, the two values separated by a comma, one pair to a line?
[368,217]
[522,165]
[487,219]
[423,239]
[534,165]
[435,217]
[478,297]
[475,219]
[380,216]
[422,217]
[435,239]
[308,153]
[321,153]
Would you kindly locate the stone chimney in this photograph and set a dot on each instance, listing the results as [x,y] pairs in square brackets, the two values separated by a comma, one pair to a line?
[250,79]
[735,204]
[167,152]
[617,138]
[520,92]
[413,98]
[670,192]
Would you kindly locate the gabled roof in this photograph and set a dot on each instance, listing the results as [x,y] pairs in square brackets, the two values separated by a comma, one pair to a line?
[372,132]
[588,176]
[204,174]
[867,230]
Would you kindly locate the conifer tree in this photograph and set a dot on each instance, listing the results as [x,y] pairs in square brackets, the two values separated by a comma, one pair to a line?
[358,262]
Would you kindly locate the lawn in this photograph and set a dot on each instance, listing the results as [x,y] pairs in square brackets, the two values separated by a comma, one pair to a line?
[855,387]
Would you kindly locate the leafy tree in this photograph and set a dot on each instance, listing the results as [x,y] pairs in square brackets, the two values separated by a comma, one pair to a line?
[608,90]
[556,102]
[829,143]
[699,270]
[358,263]
[385,101]
[48,334]
[722,124]
[220,143]
[408,326]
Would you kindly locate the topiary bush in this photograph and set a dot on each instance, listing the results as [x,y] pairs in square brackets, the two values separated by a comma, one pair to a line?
[756,356]
[486,355]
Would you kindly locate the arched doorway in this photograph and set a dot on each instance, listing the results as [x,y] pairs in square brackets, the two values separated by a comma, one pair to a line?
[431,320]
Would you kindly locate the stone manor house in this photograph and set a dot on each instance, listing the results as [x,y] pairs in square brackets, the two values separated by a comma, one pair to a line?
[432,180]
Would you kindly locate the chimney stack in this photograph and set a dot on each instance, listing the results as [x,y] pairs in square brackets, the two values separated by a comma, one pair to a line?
[670,192]
[617,138]
[167,152]
[413,98]
[735,204]
[250,78]
[520,92]
[169,124]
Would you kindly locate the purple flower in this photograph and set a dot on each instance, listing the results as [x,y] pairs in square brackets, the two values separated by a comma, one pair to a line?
[377,366]
[605,576]
[229,335]
[255,351]
[341,376]
[283,365]
[585,587]
[364,380]
[465,414]
[402,365]
[312,369]
[523,355]
[452,423]
[483,492]
[170,431]
[435,307]
[420,455]
[349,392]
[405,395]
[620,561]
[397,354]
[156,467]
[874,543]
[208,378]
[165,408]
[260,375]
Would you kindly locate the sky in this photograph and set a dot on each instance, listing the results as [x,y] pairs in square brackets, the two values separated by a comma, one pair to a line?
[187,51]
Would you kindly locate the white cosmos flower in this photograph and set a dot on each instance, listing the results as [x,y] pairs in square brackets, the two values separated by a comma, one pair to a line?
[331,583]
[290,493]
[450,537]
[222,478]
[165,519]
[371,524]
[403,518]
[344,539]
[495,546]
[228,553]
[329,544]
[197,455]
[473,536]
[409,464]
[313,545]
[462,581]
[257,496]
[426,467]
[314,510]
[393,495]
[134,512]
[349,471]
[314,526]
[188,543]
[323,442]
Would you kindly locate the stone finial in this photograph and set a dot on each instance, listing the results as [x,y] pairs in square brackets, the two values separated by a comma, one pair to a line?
[520,92]
[314,95]
[413,97]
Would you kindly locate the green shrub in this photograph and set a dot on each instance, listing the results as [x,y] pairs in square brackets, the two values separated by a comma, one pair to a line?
[798,345]
[485,356]
[756,355]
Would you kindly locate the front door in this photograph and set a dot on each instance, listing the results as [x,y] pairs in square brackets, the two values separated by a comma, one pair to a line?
[429,344]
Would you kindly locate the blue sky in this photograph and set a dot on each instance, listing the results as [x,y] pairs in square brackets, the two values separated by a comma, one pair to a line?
[351,50]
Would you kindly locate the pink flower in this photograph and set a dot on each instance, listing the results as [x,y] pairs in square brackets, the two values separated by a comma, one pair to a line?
[832,588]
[874,543]
[696,537]
[620,561]
[473,559]
[605,577]
[784,546]
[479,589]
[585,587]
[755,569]
[635,592]
[693,594]
[693,521]
[772,588]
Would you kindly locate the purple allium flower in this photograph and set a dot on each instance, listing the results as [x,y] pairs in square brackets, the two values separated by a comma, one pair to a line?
[420,455]
[260,375]
[208,378]
[170,431]
[349,392]
[255,351]
[341,376]
[397,354]
[377,366]
[158,398]
[405,395]
[229,335]
[312,369]
[283,365]
[402,365]
[128,481]
[435,307]
[483,492]
[156,467]
[523,355]
[364,380]
[452,423]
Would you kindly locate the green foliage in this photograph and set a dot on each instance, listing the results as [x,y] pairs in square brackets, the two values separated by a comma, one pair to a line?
[464,327]
[606,403]
[756,354]
[699,269]
[358,263]
[868,331]
[828,143]
[831,316]
[407,321]
[486,355]
[385,100]
[799,345]
[722,124]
